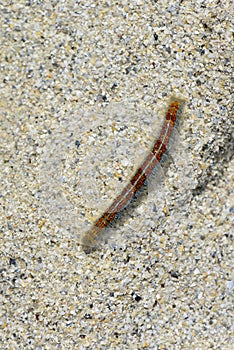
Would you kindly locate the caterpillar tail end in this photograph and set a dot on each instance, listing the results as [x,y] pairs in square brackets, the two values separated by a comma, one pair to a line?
[89,241]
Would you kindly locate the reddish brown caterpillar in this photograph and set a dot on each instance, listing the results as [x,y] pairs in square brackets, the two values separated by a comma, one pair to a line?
[155,156]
